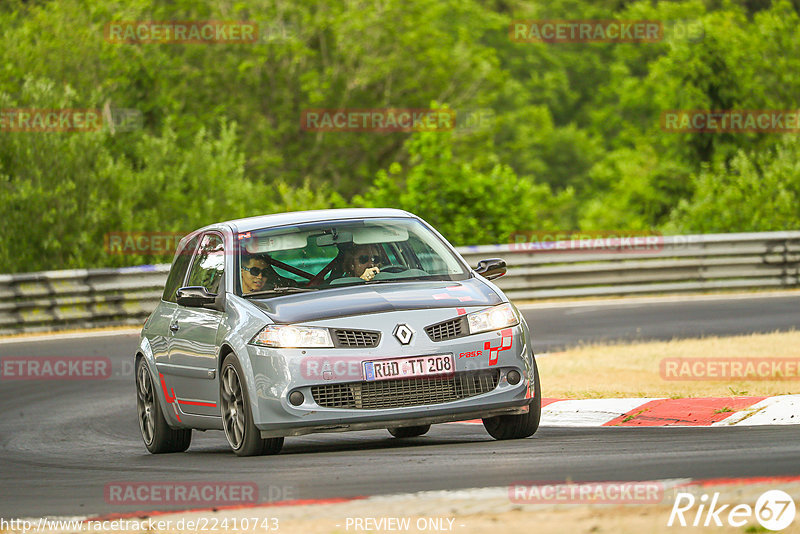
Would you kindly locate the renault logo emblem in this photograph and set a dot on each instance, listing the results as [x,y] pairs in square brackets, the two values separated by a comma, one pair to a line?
[403,333]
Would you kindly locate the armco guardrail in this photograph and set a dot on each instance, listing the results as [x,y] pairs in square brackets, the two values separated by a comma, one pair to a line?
[80,298]
[104,297]
[669,264]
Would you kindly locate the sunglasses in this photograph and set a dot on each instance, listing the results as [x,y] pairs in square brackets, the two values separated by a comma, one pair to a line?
[256,271]
[364,259]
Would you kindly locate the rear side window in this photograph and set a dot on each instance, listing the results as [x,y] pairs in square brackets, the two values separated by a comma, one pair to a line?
[209,264]
[178,271]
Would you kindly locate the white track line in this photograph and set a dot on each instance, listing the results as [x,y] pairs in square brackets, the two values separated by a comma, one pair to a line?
[49,336]
[630,301]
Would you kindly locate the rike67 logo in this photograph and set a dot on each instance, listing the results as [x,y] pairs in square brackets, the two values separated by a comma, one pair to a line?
[774,510]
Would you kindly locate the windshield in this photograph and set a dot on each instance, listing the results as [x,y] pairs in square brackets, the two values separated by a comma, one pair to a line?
[319,256]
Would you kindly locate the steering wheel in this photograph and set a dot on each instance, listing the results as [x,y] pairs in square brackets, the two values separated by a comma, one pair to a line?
[394,269]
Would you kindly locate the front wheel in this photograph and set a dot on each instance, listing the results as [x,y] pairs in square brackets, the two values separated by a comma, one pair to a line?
[409,431]
[157,435]
[237,418]
[518,426]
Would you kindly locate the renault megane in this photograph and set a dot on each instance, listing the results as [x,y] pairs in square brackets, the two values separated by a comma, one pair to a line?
[328,321]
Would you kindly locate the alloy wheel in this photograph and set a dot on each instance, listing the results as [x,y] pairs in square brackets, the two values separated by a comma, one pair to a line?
[233,407]
[145,401]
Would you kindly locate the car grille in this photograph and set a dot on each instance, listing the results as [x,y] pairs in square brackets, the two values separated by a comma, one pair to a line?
[447,330]
[405,392]
[357,338]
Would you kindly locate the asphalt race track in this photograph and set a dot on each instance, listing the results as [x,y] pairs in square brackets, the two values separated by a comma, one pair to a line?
[559,326]
[63,441]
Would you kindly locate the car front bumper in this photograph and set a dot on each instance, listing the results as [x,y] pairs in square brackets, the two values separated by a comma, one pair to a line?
[439,415]
[276,373]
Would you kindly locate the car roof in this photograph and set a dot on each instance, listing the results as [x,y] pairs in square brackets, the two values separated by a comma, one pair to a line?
[300,217]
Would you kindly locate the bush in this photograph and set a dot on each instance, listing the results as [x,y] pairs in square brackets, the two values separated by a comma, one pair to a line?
[62,192]
[468,205]
[758,191]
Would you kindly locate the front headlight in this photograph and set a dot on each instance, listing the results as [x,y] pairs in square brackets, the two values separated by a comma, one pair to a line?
[290,336]
[495,318]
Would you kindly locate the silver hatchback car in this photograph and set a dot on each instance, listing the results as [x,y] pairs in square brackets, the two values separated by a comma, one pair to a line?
[328,321]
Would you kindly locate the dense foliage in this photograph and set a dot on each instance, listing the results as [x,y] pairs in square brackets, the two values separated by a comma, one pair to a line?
[575,139]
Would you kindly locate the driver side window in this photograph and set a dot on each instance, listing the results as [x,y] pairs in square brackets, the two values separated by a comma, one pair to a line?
[209,264]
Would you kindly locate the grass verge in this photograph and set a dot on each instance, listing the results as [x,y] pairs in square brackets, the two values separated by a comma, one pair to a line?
[633,370]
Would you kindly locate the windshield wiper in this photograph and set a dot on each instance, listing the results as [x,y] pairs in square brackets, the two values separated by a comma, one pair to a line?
[281,291]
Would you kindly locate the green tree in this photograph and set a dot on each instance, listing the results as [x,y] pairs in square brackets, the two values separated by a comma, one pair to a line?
[468,205]
[63,192]
[758,191]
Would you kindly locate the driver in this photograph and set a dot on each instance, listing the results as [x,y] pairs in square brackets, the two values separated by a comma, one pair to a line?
[362,261]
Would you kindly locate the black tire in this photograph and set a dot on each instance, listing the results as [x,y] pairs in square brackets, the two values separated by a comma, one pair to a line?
[518,426]
[237,418]
[408,431]
[157,435]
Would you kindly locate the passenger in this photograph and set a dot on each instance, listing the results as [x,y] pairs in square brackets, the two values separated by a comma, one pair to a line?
[257,273]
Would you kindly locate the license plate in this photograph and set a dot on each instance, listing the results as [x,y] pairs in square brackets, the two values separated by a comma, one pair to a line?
[438,364]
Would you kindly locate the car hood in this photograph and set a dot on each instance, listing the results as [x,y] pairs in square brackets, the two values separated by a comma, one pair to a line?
[377,298]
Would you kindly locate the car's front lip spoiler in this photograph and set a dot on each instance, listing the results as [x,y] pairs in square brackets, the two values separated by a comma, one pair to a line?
[512,408]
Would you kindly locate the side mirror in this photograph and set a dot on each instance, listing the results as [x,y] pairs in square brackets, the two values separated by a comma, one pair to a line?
[491,268]
[195,296]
